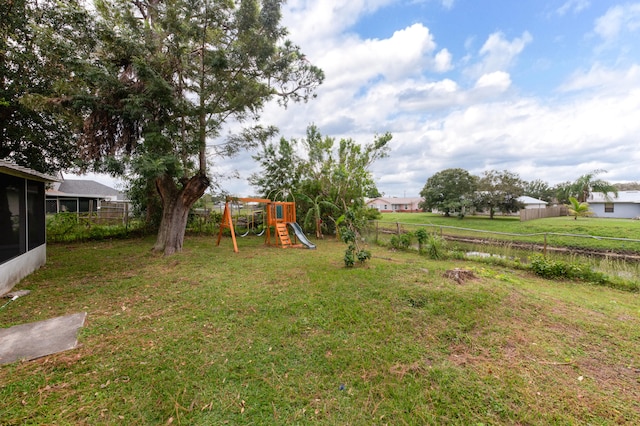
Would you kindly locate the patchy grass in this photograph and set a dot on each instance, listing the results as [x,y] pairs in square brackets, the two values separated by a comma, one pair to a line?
[271,336]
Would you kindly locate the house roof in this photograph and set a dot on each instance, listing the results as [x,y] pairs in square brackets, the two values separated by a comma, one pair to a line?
[396,200]
[13,169]
[632,197]
[525,199]
[84,188]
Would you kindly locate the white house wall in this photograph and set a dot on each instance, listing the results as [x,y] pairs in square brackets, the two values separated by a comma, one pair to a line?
[19,267]
[620,210]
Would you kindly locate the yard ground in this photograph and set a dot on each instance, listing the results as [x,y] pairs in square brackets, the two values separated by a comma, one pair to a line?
[272,336]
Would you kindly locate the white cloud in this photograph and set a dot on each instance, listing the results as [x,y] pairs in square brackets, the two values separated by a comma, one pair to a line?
[312,23]
[498,80]
[448,4]
[599,76]
[539,141]
[498,54]
[618,19]
[575,6]
[442,61]
[408,52]
[415,96]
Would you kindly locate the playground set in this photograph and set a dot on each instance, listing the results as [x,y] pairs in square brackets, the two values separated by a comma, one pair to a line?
[279,215]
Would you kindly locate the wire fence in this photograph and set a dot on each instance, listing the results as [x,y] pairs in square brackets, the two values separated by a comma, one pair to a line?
[468,239]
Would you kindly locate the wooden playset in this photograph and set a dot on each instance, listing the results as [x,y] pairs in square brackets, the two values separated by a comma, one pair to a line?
[279,216]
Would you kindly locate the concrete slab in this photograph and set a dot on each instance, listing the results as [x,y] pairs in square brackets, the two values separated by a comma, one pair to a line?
[38,339]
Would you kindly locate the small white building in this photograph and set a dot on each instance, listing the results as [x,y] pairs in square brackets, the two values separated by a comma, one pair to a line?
[23,247]
[532,203]
[396,204]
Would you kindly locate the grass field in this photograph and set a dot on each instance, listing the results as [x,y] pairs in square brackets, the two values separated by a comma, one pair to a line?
[587,227]
[270,336]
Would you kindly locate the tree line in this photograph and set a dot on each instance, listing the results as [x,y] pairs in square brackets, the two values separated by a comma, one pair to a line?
[455,190]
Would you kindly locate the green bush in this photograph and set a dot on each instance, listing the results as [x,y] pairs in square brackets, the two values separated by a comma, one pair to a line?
[363,255]
[402,241]
[435,247]
[372,214]
[349,258]
[406,239]
[395,242]
[457,254]
[552,268]
[66,227]
[206,224]
[422,236]
[349,232]
[61,225]
[431,244]
[351,254]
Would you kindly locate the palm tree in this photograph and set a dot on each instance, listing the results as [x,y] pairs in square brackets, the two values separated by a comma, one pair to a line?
[577,208]
[314,213]
[587,184]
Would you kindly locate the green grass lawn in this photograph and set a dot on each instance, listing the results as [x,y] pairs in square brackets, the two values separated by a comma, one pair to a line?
[272,336]
[613,228]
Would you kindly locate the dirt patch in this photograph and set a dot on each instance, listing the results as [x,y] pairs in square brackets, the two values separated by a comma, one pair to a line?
[459,275]
[608,375]
[401,370]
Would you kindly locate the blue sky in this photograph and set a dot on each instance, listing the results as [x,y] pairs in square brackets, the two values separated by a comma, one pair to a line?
[547,89]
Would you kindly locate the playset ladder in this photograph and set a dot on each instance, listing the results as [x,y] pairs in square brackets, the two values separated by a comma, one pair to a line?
[283,234]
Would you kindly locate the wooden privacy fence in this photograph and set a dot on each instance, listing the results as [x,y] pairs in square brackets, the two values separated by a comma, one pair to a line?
[109,213]
[531,214]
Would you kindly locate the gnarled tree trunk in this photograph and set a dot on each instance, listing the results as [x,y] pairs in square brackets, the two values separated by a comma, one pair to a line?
[176,204]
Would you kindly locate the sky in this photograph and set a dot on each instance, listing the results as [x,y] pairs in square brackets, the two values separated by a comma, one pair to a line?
[547,89]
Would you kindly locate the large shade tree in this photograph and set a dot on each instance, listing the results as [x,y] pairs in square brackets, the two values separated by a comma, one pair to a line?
[168,74]
[448,191]
[339,175]
[562,192]
[43,49]
[281,169]
[539,189]
[499,191]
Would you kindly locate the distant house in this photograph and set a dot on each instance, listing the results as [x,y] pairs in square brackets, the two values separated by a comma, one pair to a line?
[625,205]
[23,246]
[395,205]
[79,196]
[532,203]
